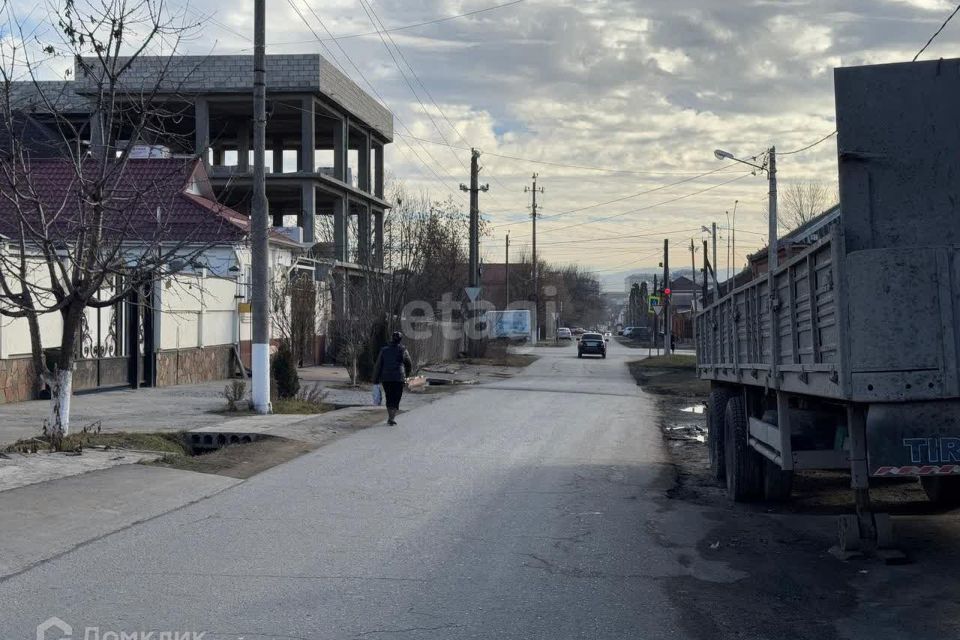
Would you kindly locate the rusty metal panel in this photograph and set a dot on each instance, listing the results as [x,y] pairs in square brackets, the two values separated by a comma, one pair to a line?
[898,162]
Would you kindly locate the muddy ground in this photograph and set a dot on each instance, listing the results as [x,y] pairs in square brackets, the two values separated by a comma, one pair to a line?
[793,587]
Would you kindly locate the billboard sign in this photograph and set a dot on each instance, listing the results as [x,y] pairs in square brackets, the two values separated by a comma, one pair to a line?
[514,324]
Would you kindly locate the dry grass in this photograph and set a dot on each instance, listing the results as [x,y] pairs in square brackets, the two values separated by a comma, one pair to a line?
[163,442]
[672,361]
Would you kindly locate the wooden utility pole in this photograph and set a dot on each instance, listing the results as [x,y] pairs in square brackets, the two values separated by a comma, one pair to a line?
[667,325]
[259,249]
[533,216]
[506,274]
[704,273]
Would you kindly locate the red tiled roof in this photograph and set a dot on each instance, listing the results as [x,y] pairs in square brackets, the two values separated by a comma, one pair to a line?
[148,201]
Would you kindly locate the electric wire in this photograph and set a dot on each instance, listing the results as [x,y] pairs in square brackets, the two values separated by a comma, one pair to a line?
[934,36]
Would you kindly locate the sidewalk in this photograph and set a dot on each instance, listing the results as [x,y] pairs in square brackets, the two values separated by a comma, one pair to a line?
[68,501]
[177,408]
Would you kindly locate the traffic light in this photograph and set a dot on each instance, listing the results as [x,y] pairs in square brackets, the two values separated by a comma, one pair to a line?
[666,292]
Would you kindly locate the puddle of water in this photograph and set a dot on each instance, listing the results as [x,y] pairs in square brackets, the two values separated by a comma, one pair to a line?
[697,408]
[687,431]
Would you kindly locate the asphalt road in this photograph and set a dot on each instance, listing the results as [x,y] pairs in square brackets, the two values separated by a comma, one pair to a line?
[529,508]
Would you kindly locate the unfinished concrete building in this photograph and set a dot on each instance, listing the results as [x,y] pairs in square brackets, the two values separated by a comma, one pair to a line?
[325,143]
[325,140]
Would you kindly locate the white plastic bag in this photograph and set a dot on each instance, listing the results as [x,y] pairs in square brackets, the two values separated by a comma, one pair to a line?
[376,394]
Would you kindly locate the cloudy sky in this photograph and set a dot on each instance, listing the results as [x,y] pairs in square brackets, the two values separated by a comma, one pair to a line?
[646,88]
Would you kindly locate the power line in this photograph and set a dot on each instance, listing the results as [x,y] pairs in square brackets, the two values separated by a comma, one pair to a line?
[372,88]
[621,199]
[933,37]
[557,164]
[657,234]
[408,26]
[648,207]
[375,20]
[809,146]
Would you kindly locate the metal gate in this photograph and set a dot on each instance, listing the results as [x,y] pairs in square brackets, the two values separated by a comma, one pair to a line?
[115,345]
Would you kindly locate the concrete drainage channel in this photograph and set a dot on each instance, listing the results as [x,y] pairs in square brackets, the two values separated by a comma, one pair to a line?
[207,441]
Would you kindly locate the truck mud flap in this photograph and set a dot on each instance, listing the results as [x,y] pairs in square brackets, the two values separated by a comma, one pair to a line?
[914,439]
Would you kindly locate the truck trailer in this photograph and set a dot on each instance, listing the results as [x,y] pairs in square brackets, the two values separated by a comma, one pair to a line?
[845,355]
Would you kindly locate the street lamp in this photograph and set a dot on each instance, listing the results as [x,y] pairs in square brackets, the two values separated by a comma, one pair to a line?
[770,166]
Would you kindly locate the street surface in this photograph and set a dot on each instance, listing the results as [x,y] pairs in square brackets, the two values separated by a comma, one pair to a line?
[521,509]
[531,507]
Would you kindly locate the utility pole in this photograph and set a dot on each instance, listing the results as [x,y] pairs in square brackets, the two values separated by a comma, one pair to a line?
[656,316]
[716,283]
[693,261]
[733,240]
[259,250]
[667,325]
[473,277]
[727,270]
[693,270]
[474,189]
[704,286]
[506,274]
[772,205]
[533,216]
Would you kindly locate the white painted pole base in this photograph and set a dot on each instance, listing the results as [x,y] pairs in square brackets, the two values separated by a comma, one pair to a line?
[260,373]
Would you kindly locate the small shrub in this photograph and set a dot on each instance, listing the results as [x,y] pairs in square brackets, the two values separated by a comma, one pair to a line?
[283,368]
[235,392]
[312,394]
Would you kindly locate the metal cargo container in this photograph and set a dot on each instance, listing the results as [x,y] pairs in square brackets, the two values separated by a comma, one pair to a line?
[853,361]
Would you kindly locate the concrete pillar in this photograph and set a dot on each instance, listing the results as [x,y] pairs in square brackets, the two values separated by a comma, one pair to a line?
[243,146]
[363,163]
[277,155]
[341,145]
[341,214]
[201,114]
[363,235]
[378,238]
[378,171]
[278,218]
[308,202]
[308,136]
[218,156]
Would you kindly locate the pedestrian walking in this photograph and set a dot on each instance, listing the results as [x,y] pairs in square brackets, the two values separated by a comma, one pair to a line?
[391,370]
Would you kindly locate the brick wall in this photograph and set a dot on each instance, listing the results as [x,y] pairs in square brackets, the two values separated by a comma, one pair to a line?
[16,380]
[190,366]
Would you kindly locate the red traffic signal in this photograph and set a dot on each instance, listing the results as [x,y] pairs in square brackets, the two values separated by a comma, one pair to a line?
[666,292]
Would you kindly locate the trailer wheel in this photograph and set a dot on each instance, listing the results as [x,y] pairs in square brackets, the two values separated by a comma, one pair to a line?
[716,412]
[744,466]
[942,490]
[777,483]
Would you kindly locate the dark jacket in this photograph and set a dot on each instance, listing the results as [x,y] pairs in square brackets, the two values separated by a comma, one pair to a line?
[393,364]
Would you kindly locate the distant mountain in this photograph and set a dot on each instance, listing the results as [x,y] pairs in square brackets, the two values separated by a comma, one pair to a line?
[617,281]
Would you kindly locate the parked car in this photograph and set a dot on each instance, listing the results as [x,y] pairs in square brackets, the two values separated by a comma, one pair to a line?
[592,343]
[563,333]
[640,334]
[579,331]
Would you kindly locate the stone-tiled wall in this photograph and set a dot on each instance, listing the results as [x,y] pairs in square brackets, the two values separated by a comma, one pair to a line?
[190,366]
[16,380]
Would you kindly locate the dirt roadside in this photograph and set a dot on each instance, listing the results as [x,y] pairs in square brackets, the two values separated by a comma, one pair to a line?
[794,588]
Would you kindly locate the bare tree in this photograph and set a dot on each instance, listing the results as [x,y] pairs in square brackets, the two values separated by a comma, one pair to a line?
[81,230]
[800,202]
